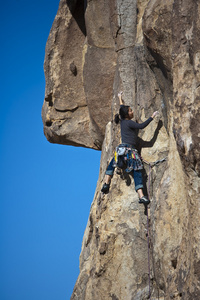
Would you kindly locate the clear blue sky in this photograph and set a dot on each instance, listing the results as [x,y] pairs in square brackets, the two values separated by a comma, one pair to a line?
[45,196]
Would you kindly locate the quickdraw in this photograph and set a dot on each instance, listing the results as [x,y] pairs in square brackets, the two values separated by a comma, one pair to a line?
[152,164]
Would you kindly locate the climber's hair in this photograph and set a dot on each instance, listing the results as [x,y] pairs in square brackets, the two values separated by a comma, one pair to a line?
[123,113]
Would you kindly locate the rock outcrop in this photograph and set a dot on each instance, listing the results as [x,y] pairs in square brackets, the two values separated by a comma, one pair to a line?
[150,49]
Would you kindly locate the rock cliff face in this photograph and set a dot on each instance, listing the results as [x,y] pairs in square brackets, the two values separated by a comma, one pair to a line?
[150,49]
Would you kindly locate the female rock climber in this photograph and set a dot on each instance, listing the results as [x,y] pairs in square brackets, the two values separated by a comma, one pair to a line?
[129,136]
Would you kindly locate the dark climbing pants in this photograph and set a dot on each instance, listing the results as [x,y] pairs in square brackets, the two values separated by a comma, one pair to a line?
[137,175]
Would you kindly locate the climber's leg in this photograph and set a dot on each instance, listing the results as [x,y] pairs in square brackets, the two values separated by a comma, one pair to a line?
[110,169]
[137,175]
[109,173]
[108,179]
[140,193]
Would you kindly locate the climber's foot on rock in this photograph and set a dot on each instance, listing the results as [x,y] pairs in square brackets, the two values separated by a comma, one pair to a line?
[144,200]
[105,188]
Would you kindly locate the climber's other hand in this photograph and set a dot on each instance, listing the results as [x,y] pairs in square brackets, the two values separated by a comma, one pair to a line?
[155,114]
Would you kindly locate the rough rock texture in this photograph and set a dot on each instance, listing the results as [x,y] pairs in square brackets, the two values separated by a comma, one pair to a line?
[79,72]
[150,49]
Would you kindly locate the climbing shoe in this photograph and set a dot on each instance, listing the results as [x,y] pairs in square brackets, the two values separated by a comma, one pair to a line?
[105,188]
[144,200]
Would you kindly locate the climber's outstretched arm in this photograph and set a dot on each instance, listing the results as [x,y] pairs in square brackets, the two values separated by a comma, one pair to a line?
[120,98]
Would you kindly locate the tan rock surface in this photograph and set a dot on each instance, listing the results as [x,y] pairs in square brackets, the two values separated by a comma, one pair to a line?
[151,51]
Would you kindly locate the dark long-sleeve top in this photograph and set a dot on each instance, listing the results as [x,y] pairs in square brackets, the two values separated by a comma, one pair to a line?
[129,131]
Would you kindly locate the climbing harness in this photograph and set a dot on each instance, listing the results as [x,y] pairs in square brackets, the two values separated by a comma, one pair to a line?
[127,158]
[152,164]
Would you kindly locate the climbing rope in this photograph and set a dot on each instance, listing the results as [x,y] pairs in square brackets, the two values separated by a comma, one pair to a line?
[148,243]
[148,193]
